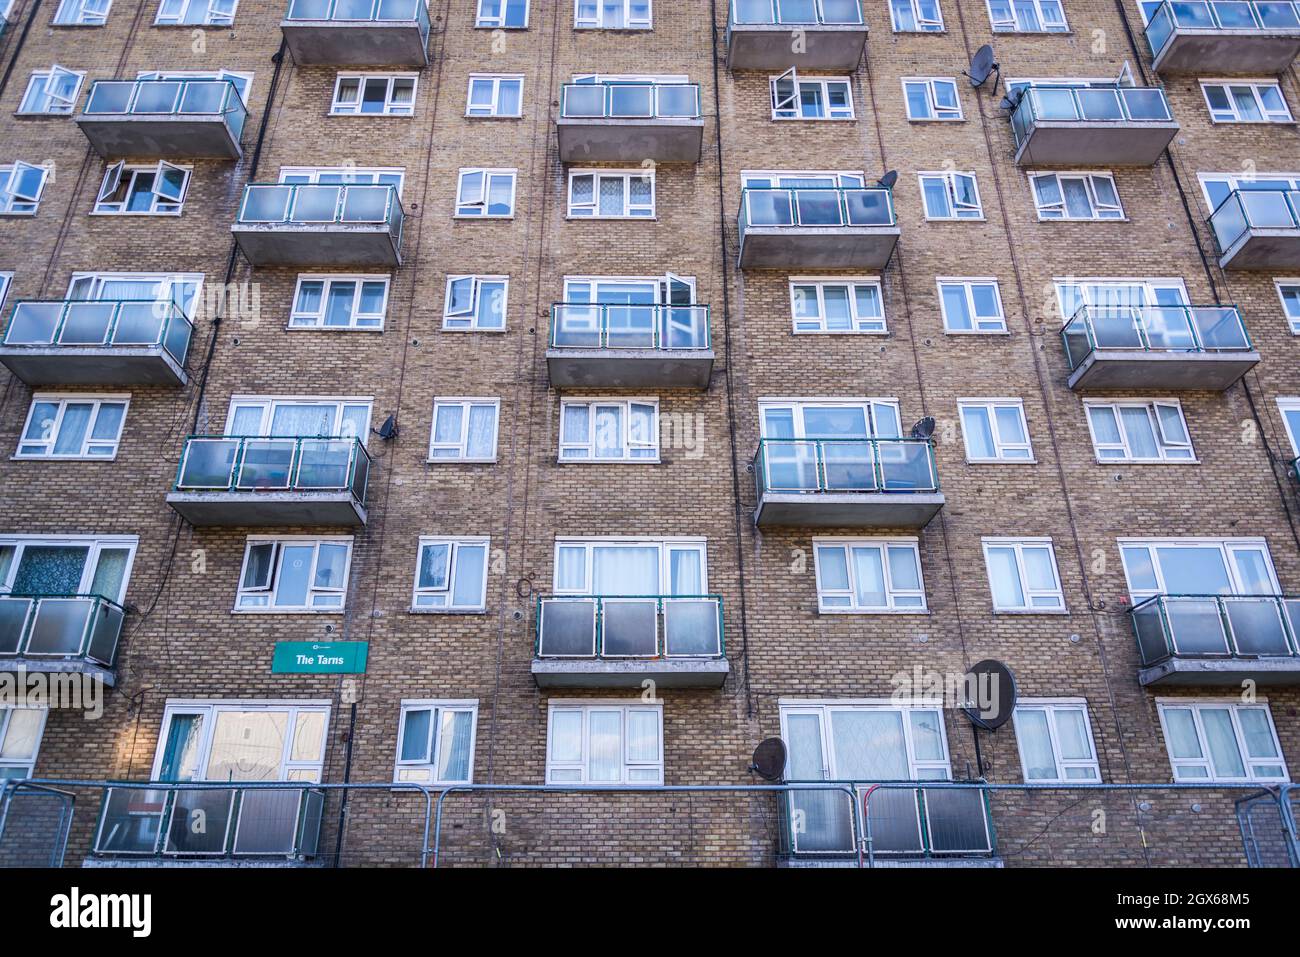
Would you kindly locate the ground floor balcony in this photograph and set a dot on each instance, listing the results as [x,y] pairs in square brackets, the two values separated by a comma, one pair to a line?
[71,634]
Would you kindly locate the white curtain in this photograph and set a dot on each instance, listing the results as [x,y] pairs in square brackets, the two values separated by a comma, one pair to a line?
[625,570]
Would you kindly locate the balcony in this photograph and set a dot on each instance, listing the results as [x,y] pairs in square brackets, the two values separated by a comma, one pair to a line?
[1225,36]
[1091,126]
[629,347]
[172,118]
[1191,348]
[357,32]
[231,480]
[619,641]
[78,342]
[1220,640]
[630,123]
[846,483]
[153,826]
[60,633]
[817,228]
[1258,229]
[317,225]
[759,34]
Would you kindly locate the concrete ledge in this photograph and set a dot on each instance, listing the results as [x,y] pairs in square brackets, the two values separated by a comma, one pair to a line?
[1264,249]
[1088,143]
[1230,672]
[93,365]
[765,46]
[268,508]
[922,862]
[1218,52]
[630,673]
[626,140]
[60,666]
[1175,371]
[323,244]
[630,368]
[848,509]
[356,43]
[817,247]
[115,136]
[191,862]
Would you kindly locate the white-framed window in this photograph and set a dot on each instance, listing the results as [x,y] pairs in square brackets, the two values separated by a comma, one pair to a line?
[1288,290]
[829,418]
[491,94]
[1290,409]
[931,98]
[6,280]
[1139,431]
[67,565]
[994,430]
[1118,294]
[73,427]
[51,92]
[604,743]
[971,306]
[502,14]
[81,13]
[339,302]
[837,305]
[346,175]
[476,303]
[1027,16]
[1076,196]
[612,14]
[21,185]
[486,193]
[20,740]
[1221,741]
[1023,575]
[464,430]
[611,194]
[916,16]
[298,416]
[1054,738]
[951,195]
[157,190]
[1197,566]
[1216,187]
[873,575]
[1244,101]
[631,566]
[182,289]
[240,739]
[240,81]
[435,742]
[609,430]
[374,94]
[451,574]
[796,97]
[217,13]
[296,573]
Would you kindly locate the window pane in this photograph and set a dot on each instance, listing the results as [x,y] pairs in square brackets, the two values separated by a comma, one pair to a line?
[1004,578]
[72,430]
[295,566]
[1038,567]
[566,736]
[927,739]
[1222,742]
[308,736]
[453,745]
[979,432]
[834,568]
[433,566]
[955,311]
[471,561]
[1255,729]
[1072,733]
[903,570]
[1183,742]
[605,758]
[1035,745]
[642,736]
[23,733]
[870,575]
[415,735]
[330,565]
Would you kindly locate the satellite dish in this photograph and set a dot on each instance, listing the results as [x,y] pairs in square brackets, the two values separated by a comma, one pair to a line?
[388,430]
[923,429]
[990,693]
[769,759]
[1012,99]
[889,179]
[981,65]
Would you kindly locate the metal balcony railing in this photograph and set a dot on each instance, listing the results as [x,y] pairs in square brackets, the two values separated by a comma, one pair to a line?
[226,463]
[1260,16]
[630,100]
[815,206]
[108,323]
[1153,329]
[150,98]
[782,12]
[630,626]
[361,11]
[1216,626]
[845,465]
[619,326]
[60,627]
[1246,209]
[1121,104]
[311,204]
[238,822]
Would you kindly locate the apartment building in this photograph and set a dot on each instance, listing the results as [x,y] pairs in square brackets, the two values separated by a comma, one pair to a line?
[580,393]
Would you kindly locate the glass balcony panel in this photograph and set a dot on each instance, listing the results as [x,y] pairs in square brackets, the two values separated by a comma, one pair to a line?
[1099,104]
[366,204]
[266,204]
[955,821]
[584,100]
[1078,343]
[266,464]
[59,626]
[894,821]
[1268,209]
[868,207]
[309,829]
[268,821]
[630,327]
[324,463]
[1160,28]
[1193,14]
[685,327]
[1146,104]
[568,627]
[1278,16]
[208,463]
[818,207]
[130,821]
[104,634]
[1235,15]
[629,628]
[1168,327]
[309,9]
[1055,104]
[185,833]
[1257,626]
[140,323]
[796,11]
[398,11]
[1229,221]
[841,11]
[678,100]
[353,10]
[849,466]
[14,614]
[906,466]
[821,821]
[1196,627]
[691,627]
[107,96]
[769,207]
[360,474]
[1219,327]
[577,327]
[631,100]
[315,204]
[176,337]
[1115,328]
[791,466]
[33,323]
[205,97]
[753,11]
[86,323]
[1149,626]
[156,96]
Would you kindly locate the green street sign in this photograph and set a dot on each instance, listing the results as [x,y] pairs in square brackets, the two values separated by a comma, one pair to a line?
[320,658]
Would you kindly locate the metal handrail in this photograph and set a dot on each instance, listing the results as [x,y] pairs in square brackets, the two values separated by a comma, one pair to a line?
[393,212]
[1048,102]
[847,199]
[231,101]
[1237,215]
[1155,646]
[380,11]
[658,335]
[790,12]
[1221,15]
[599,652]
[610,109]
[234,477]
[30,316]
[880,479]
[92,645]
[1131,328]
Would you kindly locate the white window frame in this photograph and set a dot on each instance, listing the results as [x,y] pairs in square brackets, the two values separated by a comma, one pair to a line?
[1232,115]
[666,547]
[159,205]
[25,765]
[297,320]
[862,325]
[268,403]
[63,399]
[1227,548]
[95,546]
[242,82]
[1234,181]
[798,405]
[6,280]
[477,281]
[496,79]
[65,105]
[483,21]
[790,108]
[1152,407]
[1018,544]
[465,402]
[587,23]
[1286,404]
[340,107]
[626,443]
[1000,445]
[272,586]
[652,771]
[1095,205]
[484,192]
[1293,319]
[980,325]
[932,103]
[81,13]
[1150,289]
[167,283]
[932,26]
[454,543]
[10,201]
[296,771]
[892,594]
[626,175]
[425,771]
[1051,707]
[1016,26]
[1235,707]
[215,17]
[919,769]
[351,175]
[949,180]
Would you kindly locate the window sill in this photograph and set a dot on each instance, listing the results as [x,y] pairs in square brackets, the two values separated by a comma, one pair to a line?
[595,461]
[840,332]
[492,116]
[977,332]
[814,119]
[1002,461]
[956,219]
[63,458]
[1064,219]
[43,116]
[58,26]
[363,329]
[913,33]
[1148,461]
[414,610]
[612,219]
[1214,122]
[472,217]
[489,26]
[287,611]
[1054,612]
[495,332]
[371,116]
[921,612]
[450,461]
[136,215]
[936,119]
[4,213]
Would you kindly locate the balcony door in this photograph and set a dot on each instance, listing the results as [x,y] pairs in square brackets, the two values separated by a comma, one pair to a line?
[813,446]
[635,313]
[802,199]
[1132,314]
